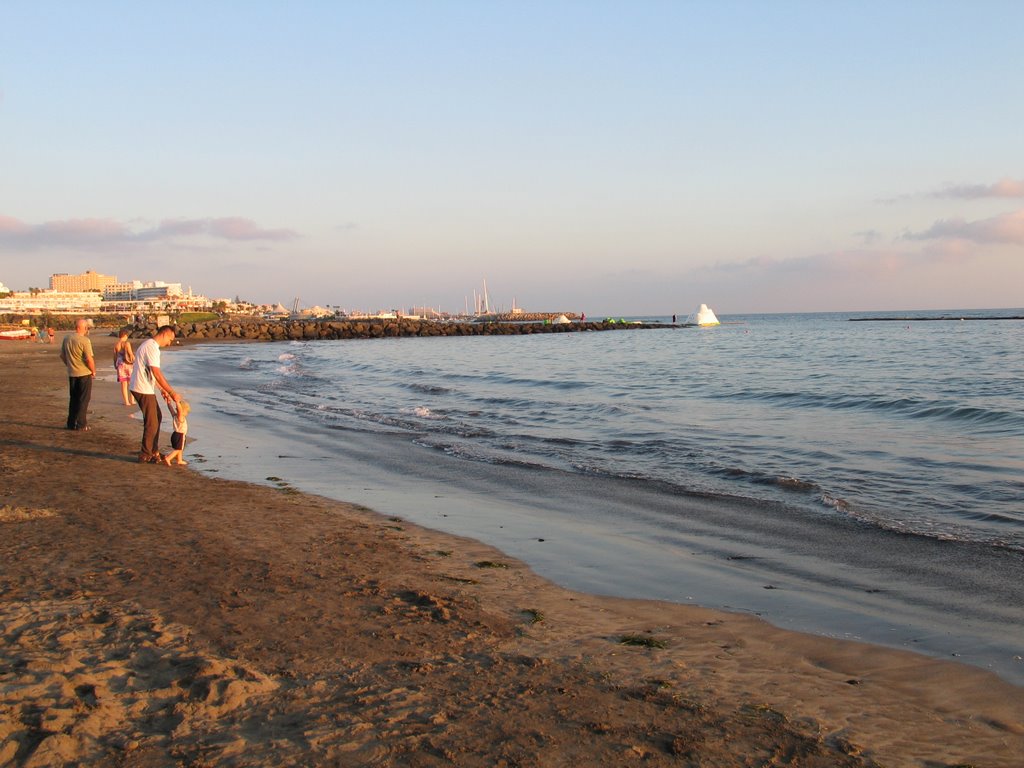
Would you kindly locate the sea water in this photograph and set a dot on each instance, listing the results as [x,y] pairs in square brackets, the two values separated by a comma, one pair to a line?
[872,471]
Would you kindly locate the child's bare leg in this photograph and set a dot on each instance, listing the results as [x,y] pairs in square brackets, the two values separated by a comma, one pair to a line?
[169,458]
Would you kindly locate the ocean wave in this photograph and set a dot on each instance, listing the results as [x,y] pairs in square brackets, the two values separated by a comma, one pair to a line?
[478,453]
[422,412]
[945,530]
[513,403]
[902,406]
[428,389]
[536,382]
[834,502]
[793,483]
[755,477]
[511,453]
[425,421]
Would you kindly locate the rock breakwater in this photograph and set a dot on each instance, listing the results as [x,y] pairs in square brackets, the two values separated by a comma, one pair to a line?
[309,330]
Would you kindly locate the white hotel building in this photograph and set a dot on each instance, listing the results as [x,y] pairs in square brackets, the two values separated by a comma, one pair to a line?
[52,302]
[92,293]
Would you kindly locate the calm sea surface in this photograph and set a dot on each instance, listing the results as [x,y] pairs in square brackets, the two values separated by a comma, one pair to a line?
[903,428]
[915,427]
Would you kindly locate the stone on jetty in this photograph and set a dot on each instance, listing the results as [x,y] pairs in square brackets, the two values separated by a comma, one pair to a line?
[253,329]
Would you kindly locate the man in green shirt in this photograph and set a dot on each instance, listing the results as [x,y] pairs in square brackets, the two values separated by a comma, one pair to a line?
[76,353]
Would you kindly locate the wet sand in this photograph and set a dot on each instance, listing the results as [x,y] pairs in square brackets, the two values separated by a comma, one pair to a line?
[152,616]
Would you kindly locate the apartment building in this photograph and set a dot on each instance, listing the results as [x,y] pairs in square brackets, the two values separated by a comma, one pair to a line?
[86,281]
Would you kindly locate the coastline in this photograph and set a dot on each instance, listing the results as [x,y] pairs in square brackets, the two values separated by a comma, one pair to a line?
[352,637]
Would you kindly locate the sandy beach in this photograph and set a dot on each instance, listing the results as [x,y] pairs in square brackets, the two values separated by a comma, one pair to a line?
[151,616]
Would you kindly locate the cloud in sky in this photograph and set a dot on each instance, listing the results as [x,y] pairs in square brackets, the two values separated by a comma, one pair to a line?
[903,275]
[94,233]
[868,236]
[1003,188]
[1007,228]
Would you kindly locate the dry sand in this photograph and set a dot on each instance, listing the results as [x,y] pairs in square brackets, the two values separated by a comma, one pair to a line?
[151,616]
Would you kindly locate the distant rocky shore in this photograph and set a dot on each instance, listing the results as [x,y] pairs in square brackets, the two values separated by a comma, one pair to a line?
[298,330]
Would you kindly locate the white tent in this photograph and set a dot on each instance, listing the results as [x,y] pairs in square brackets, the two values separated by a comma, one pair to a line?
[703,316]
[561,320]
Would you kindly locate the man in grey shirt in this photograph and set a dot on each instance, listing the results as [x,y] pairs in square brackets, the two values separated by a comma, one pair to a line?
[76,353]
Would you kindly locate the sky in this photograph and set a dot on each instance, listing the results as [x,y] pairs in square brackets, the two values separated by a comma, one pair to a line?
[622,158]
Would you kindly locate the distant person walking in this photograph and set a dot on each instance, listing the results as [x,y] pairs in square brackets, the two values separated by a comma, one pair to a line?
[76,354]
[146,378]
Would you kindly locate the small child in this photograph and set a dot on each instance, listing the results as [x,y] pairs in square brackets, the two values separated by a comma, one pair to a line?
[178,414]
